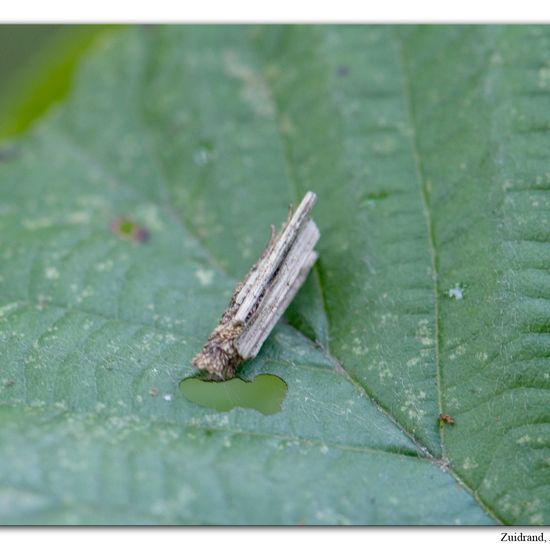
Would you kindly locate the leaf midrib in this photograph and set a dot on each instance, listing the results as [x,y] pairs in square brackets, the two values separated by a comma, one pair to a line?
[424,194]
[339,366]
[342,370]
[423,189]
[215,264]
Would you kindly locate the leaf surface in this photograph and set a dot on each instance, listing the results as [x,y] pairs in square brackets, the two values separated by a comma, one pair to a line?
[426,147]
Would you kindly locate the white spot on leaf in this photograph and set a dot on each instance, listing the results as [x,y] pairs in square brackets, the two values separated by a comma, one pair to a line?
[51,273]
[470,464]
[78,217]
[204,276]
[107,265]
[7,308]
[456,292]
[255,90]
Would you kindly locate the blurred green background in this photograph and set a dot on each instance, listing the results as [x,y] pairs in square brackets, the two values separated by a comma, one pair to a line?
[36,67]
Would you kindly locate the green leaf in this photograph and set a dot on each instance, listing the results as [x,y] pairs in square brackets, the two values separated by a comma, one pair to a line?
[427,148]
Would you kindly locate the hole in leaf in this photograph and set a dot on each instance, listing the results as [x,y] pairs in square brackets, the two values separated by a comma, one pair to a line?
[265,393]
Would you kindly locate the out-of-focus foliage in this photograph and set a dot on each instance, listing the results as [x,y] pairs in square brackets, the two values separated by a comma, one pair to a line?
[37,63]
